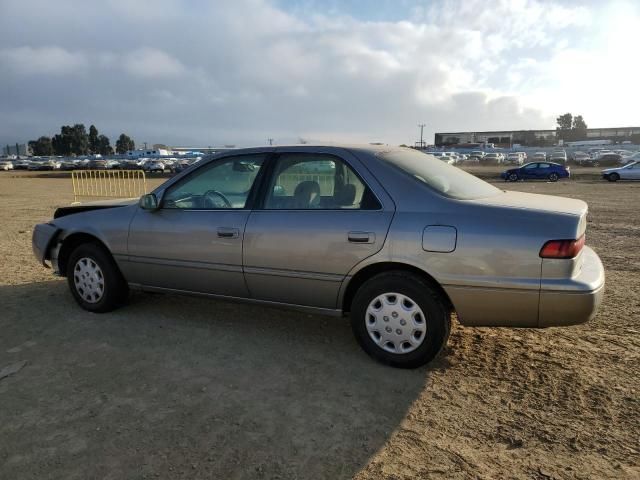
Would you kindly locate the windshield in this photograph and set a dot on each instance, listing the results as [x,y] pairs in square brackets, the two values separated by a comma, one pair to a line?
[441,177]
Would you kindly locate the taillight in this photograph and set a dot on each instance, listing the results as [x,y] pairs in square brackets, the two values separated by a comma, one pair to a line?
[562,248]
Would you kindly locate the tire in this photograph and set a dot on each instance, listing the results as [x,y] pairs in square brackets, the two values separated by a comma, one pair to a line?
[553,177]
[614,177]
[424,311]
[513,177]
[94,279]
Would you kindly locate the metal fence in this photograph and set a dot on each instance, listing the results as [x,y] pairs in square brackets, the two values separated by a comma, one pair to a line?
[92,184]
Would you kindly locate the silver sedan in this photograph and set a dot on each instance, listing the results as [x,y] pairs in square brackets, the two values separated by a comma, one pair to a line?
[394,238]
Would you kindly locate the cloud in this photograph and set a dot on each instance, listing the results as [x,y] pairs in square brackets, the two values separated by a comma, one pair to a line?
[46,60]
[240,71]
[150,63]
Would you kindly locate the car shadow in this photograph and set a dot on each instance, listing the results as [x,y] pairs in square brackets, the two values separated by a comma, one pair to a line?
[184,387]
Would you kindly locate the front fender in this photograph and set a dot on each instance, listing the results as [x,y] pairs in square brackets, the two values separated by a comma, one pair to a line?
[44,234]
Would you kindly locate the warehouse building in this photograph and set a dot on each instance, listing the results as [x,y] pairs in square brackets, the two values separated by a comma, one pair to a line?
[505,138]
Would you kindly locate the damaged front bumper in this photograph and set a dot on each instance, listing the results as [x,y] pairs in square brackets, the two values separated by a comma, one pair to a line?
[42,241]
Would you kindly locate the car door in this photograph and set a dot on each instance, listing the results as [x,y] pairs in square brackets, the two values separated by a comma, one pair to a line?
[543,170]
[529,171]
[193,242]
[319,217]
[632,172]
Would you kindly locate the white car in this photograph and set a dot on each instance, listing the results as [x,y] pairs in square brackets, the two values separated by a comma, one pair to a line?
[559,156]
[492,158]
[540,156]
[515,158]
[635,157]
[630,171]
[6,165]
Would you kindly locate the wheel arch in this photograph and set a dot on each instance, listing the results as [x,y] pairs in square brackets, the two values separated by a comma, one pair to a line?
[374,269]
[70,242]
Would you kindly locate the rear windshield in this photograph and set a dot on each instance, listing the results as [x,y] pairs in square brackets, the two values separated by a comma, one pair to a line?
[440,176]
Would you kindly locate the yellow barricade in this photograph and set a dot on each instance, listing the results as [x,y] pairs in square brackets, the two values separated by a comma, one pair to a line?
[94,184]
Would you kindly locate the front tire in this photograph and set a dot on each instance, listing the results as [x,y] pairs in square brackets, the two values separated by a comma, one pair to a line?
[94,279]
[400,320]
[614,177]
[553,177]
[513,177]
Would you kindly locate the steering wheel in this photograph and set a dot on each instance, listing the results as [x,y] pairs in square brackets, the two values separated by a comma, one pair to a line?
[210,202]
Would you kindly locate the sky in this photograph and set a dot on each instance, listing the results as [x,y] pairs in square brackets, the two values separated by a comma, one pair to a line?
[201,73]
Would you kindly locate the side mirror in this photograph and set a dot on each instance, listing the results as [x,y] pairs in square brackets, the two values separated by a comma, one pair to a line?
[149,201]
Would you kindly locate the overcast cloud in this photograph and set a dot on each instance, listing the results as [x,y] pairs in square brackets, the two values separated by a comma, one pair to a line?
[241,71]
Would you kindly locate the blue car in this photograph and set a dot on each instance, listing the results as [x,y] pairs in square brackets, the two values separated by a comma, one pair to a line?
[537,171]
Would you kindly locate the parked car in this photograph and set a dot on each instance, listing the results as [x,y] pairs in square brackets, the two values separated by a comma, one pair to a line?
[634,157]
[6,165]
[608,159]
[21,164]
[154,166]
[537,171]
[630,171]
[492,159]
[44,165]
[559,156]
[98,164]
[476,154]
[392,237]
[539,156]
[514,158]
[582,158]
[69,165]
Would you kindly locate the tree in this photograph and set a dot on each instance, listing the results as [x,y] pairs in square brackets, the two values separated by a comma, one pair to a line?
[42,146]
[93,139]
[72,140]
[124,143]
[570,127]
[103,146]
[61,144]
[579,128]
[79,140]
[564,121]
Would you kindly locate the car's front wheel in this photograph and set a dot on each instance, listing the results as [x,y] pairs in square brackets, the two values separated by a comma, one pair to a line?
[513,177]
[553,177]
[94,279]
[400,320]
[614,177]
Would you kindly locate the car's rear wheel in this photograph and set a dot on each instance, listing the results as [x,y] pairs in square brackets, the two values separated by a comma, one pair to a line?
[94,279]
[513,177]
[614,177]
[553,177]
[399,319]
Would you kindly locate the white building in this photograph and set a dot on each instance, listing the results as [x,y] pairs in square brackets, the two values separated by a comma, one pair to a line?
[151,153]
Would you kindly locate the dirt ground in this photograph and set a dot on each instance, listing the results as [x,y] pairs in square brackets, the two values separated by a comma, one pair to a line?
[181,387]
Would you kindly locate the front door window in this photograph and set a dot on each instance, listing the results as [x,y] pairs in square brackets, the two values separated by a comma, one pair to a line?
[224,184]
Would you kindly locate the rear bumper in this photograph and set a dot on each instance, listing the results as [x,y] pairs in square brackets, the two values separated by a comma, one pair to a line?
[558,302]
[576,300]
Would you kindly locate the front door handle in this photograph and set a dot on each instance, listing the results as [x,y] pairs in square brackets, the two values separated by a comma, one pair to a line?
[226,232]
[361,237]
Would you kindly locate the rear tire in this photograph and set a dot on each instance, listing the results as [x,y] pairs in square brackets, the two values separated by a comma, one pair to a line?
[94,279]
[400,320]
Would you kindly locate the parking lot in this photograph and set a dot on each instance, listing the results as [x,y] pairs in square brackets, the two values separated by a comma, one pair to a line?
[182,387]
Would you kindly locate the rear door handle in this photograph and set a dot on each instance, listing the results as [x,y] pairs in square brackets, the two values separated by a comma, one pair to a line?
[226,232]
[361,237]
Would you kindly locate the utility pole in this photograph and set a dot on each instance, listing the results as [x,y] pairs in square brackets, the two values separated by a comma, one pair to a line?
[421,125]
[145,145]
[270,140]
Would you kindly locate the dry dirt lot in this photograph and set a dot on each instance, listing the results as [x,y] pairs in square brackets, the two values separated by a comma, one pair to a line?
[181,387]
